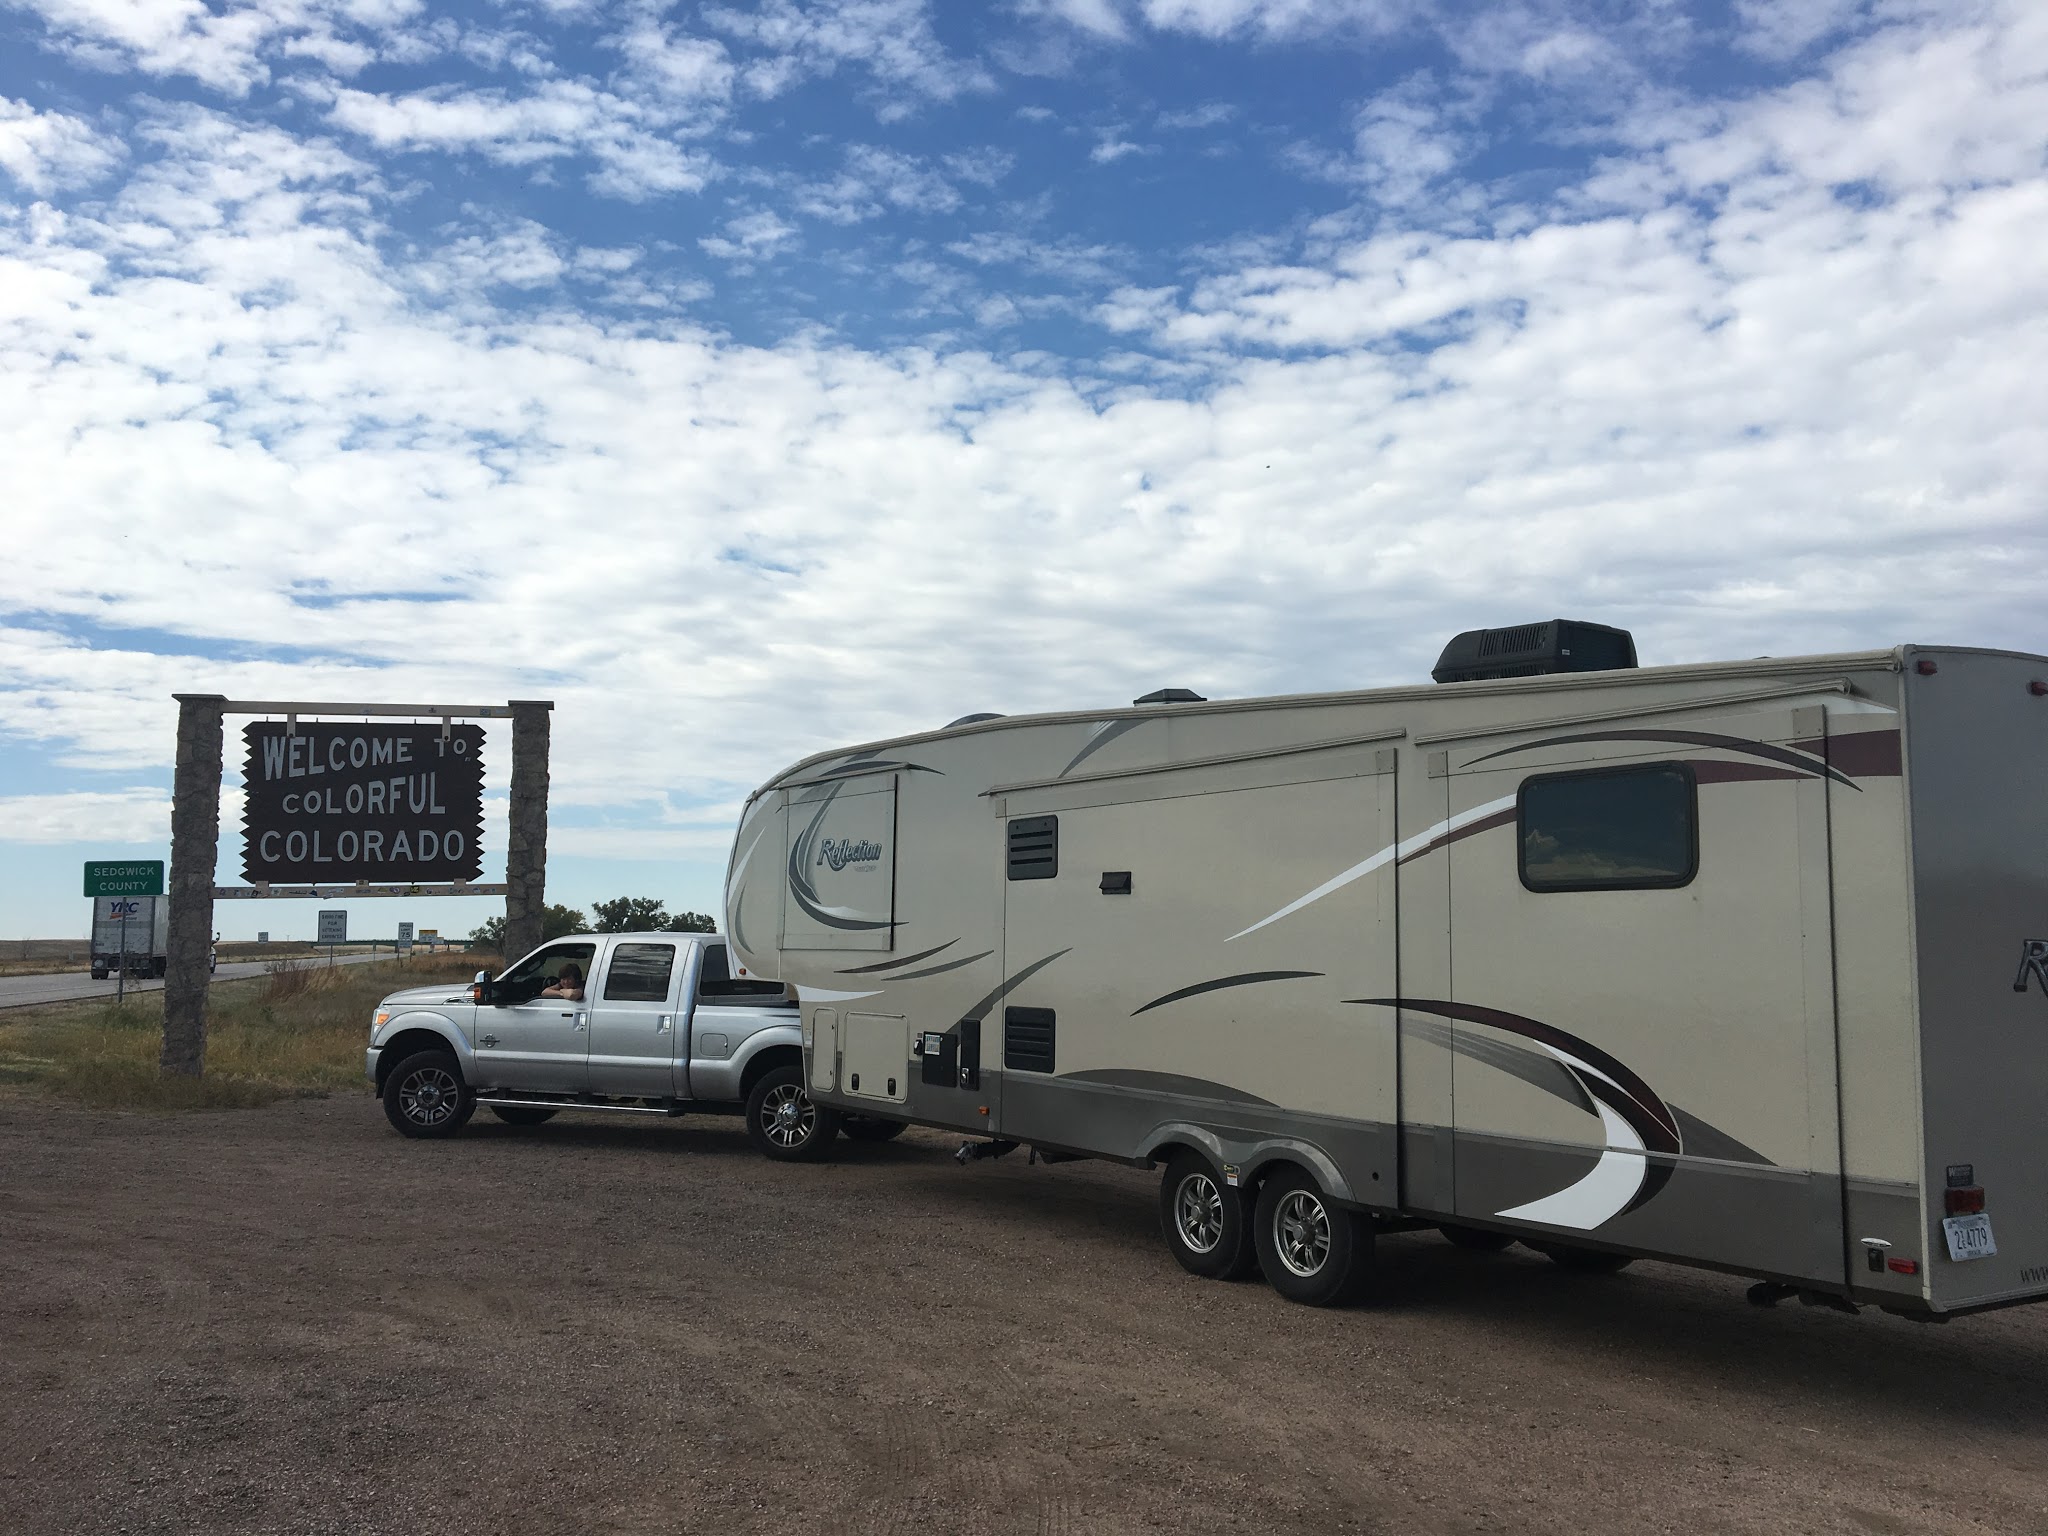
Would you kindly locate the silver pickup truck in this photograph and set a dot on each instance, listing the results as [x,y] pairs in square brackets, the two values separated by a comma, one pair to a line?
[632,1023]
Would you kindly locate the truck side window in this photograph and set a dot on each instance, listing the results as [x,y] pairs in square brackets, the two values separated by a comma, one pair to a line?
[524,981]
[716,983]
[639,973]
[1609,829]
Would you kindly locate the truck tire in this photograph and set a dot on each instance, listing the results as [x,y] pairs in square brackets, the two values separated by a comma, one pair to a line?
[1310,1250]
[865,1128]
[99,973]
[1476,1239]
[1582,1261]
[162,963]
[523,1114]
[1208,1224]
[783,1121]
[425,1096]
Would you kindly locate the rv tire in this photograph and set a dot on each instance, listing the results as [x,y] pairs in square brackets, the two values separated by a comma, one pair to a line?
[1476,1239]
[862,1128]
[1583,1261]
[785,1123]
[1208,1224]
[425,1096]
[1310,1249]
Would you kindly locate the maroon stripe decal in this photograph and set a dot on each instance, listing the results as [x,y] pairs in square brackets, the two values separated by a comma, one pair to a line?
[1805,762]
[1484,824]
[1861,754]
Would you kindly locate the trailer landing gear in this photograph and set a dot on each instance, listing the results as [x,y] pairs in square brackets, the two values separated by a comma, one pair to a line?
[974,1151]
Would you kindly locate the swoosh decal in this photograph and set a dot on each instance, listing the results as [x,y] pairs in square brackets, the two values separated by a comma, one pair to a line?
[890,964]
[1098,738]
[980,1010]
[1244,979]
[1624,1178]
[1420,842]
[806,895]
[940,970]
[1817,767]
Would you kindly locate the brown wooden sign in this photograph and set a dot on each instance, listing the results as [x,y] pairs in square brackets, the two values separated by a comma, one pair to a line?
[335,803]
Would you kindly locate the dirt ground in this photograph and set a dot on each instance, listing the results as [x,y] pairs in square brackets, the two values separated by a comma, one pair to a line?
[291,1320]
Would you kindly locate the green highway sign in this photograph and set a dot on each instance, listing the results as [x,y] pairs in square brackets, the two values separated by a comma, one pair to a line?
[136,877]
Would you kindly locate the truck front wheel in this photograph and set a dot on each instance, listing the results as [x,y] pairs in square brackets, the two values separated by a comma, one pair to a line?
[425,1096]
[783,1121]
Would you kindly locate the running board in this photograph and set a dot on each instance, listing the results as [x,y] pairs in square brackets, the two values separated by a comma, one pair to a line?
[610,1109]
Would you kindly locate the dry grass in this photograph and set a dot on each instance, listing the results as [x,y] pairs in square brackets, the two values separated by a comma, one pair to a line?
[298,1032]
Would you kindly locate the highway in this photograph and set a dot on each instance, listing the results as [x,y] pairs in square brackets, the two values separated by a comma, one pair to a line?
[72,986]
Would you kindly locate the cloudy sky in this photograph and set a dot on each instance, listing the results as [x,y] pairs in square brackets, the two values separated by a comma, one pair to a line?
[750,379]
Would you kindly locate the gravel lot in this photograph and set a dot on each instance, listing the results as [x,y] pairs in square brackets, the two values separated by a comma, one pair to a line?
[290,1320]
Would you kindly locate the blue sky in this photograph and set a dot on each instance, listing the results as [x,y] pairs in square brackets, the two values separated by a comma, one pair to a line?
[750,379]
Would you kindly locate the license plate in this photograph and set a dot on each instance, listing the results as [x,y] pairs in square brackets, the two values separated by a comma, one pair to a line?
[1969,1237]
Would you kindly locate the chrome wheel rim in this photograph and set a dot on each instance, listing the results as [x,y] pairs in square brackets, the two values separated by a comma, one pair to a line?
[787,1116]
[429,1096]
[1301,1233]
[1198,1213]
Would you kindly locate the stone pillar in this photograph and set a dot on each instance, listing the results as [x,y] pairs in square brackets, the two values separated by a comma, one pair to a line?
[195,849]
[526,840]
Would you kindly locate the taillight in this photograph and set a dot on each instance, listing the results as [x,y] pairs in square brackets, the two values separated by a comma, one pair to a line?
[1963,1202]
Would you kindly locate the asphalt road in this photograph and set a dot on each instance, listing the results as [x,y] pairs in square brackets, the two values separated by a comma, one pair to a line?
[72,986]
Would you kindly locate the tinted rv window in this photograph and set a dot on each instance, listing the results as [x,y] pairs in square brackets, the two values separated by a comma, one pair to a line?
[1611,829]
[1035,848]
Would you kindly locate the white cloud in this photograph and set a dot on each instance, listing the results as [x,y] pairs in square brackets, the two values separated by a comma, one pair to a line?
[47,150]
[752,237]
[892,40]
[1114,148]
[87,816]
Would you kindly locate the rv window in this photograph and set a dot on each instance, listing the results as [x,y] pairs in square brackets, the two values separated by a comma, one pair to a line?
[639,973]
[1610,829]
[1035,848]
[716,981]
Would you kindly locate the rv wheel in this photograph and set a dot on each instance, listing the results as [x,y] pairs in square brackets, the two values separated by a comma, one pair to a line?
[1207,1223]
[1310,1250]
[1584,1261]
[1476,1239]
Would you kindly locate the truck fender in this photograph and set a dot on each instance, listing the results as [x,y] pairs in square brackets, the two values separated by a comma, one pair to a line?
[418,1031]
[740,1065]
[1249,1157]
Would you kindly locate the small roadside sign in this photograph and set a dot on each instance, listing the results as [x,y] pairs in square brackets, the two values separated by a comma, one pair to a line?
[134,877]
[333,927]
[404,938]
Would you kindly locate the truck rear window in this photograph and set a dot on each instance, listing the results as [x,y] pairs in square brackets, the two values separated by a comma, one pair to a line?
[640,973]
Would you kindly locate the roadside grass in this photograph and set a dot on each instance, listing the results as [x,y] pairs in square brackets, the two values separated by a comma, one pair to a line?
[297,1032]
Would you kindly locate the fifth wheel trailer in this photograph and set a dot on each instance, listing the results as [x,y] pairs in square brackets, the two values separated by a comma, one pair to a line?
[1709,963]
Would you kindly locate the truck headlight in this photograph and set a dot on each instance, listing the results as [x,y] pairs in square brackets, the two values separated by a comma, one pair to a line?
[383,1018]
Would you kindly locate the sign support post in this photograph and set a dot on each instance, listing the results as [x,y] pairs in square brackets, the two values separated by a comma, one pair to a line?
[195,849]
[121,970]
[526,840]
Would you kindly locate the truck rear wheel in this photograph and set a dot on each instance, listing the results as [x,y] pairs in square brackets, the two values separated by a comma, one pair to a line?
[1208,1224]
[425,1096]
[523,1114]
[783,1121]
[99,973]
[1310,1250]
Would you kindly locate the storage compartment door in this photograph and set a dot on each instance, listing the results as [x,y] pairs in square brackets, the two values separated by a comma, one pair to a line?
[877,1062]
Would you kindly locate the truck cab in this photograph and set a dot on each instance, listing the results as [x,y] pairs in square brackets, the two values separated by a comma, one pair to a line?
[623,1023]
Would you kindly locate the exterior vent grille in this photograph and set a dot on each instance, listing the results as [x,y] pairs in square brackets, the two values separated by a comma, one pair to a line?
[1034,847]
[1523,637]
[1027,1039]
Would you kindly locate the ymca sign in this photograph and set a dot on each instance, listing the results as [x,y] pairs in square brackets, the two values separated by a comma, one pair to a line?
[333,803]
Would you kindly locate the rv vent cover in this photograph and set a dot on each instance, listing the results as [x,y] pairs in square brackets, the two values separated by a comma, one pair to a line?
[1035,848]
[1171,696]
[1532,650]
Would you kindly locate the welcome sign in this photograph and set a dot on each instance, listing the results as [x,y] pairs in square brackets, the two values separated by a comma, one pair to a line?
[337,803]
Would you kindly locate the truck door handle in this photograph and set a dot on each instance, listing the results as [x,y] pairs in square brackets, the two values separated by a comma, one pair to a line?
[661,1023]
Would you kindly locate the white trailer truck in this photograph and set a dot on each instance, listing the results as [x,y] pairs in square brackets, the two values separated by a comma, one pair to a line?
[1711,963]
[131,933]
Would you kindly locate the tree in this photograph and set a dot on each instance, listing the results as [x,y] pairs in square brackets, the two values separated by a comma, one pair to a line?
[691,922]
[555,922]
[630,914]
